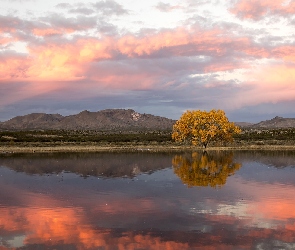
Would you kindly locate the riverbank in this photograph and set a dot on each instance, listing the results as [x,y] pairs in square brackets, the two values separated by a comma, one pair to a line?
[9,149]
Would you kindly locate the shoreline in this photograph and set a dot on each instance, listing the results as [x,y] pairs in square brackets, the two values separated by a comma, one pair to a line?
[132,148]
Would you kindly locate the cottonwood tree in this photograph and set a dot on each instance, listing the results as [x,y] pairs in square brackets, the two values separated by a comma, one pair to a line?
[201,127]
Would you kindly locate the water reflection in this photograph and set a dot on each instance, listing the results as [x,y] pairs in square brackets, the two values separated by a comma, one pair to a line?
[87,164]
[151,209]
[205,169]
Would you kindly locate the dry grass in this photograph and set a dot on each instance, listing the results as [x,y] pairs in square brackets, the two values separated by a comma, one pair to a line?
[130,148]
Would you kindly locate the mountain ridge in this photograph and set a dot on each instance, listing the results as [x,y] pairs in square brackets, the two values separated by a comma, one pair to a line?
[116,120]
[104,120]
[274,123]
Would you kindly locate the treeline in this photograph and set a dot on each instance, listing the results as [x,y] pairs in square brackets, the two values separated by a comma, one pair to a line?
[282,136]
[82,136]
[247,136]
[266,134]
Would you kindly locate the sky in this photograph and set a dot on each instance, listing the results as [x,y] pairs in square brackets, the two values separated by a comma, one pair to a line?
[156,57]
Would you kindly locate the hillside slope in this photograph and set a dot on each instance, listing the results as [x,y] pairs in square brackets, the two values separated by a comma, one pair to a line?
[104,120]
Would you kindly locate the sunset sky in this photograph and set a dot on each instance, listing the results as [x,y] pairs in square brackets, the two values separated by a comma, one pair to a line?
[155,57]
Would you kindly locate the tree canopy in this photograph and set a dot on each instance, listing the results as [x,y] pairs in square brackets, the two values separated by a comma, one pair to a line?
[202,169]
[201,127]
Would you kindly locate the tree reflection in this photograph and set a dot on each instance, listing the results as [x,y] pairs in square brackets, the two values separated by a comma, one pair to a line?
[203,169]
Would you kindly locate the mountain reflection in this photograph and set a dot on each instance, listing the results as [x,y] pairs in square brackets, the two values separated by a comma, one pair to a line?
[205,169]
[107,165]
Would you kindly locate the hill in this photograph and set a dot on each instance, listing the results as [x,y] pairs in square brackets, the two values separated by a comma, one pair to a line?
[274,123]
[104,120]
[244,124]
[277,122]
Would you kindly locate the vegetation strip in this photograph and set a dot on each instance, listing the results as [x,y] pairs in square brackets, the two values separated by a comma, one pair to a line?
[152,148]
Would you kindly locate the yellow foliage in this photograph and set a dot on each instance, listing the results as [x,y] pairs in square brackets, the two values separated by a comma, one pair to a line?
[201,169]
[201,127]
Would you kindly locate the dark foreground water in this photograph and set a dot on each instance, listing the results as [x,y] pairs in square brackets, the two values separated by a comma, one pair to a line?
[241,200]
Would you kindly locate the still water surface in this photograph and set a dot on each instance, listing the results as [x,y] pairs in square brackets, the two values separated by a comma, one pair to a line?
[223,200]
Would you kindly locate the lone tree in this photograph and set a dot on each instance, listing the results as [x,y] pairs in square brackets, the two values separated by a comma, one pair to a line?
[201,127]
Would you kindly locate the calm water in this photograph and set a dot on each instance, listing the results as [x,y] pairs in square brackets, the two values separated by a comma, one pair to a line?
[241,200]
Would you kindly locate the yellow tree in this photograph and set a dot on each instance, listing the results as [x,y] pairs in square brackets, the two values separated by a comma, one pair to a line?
[201,127]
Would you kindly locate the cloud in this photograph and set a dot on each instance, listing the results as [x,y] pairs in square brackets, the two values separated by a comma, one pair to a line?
[13,65]
[60,59]
[270,84]
[11,24]
[166,7]
[104,7]
[53,24]
[286,52]
[110,7]
[57,24]
[82,10]
[257,9]
[4,40]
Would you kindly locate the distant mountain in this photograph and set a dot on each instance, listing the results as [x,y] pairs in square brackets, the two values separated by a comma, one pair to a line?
[105,120]
[243,124]
[277,122]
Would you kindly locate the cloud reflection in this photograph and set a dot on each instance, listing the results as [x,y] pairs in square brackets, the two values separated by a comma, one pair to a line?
[68,227]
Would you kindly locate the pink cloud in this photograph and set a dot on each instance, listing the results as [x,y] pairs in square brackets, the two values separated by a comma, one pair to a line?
[12,67]
[256,9]
[6,40]
[269,84]
[222,66]
[285,52]
[50,31]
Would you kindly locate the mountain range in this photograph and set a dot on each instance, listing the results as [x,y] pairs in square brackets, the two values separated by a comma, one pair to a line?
[115,120]
[104,120]
[274,123]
